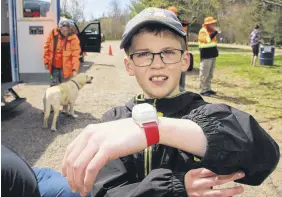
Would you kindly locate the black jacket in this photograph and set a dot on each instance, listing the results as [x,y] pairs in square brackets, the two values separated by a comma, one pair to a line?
[235,142]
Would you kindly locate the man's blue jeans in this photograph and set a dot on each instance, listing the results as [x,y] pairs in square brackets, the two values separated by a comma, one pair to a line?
[52,184]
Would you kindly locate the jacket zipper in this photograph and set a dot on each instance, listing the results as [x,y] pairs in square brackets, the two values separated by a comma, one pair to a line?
[145,162]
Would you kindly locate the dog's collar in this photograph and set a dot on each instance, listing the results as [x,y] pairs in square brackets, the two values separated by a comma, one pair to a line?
[76,84]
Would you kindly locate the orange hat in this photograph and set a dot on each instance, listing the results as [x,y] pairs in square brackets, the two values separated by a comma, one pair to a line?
[173,9]
[209,20]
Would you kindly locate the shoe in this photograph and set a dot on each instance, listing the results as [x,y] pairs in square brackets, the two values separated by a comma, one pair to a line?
[212,92]
[207,93]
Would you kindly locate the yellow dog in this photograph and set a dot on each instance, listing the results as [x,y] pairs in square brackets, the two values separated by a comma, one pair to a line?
[63,94]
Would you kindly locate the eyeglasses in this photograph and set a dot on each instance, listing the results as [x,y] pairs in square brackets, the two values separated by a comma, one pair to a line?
[169,56]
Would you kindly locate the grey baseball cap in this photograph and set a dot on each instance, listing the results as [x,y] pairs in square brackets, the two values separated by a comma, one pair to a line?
[64,23]
[151,16]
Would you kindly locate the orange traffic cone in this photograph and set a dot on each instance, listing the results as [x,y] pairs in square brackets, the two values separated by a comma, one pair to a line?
[110,50]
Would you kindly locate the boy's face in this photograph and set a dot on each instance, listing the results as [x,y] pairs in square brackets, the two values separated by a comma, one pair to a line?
[158,80]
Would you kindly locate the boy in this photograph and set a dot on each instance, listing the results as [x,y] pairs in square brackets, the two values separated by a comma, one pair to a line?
[157,155]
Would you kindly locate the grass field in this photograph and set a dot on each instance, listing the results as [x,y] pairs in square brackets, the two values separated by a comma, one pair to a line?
[260,86]
[195,47]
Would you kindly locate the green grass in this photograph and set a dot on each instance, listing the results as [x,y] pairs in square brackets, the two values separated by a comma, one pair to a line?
[240,65]
[260,85]
[195,47]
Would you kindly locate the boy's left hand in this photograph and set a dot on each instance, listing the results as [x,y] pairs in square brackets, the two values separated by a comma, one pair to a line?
[95,146]
[200,182]
[74,73]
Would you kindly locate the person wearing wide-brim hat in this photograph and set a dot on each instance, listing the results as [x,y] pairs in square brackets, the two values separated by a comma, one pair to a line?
[208,53]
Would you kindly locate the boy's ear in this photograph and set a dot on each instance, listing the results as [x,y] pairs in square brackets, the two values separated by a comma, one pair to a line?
[128,66]
[185,61]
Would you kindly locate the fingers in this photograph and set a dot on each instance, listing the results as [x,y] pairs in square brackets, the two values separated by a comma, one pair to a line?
[227,178]
[96,164]
[81,163]
[84,134]
[68,151]
[224,192]
[199,182]
[71,160]
[201,172]
[209,182]
[71,155]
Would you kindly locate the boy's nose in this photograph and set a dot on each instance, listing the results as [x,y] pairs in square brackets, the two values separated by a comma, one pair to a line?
[157,62]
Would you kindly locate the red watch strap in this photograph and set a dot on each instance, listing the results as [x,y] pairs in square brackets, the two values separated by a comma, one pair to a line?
[152,133]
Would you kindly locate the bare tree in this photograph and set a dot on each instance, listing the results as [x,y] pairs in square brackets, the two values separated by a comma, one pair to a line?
[65,9]
[114,9]
[83,3]
[114,21]
[73,9]
[64,6]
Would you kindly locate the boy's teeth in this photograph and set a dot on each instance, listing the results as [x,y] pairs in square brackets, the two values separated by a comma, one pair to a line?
[158,78]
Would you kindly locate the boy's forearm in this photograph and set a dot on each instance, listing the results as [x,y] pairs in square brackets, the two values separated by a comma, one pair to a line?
[183,134]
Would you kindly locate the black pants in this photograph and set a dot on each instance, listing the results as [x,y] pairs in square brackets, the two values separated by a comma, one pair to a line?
[17,178]
[57,76]
[255,49]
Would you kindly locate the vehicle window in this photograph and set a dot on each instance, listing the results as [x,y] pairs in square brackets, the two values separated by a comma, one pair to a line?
[35,8]
[92,29]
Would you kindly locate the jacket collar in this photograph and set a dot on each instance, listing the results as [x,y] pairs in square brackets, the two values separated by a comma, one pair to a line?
[170,105]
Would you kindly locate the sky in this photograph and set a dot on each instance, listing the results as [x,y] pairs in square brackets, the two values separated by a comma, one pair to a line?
[98,7]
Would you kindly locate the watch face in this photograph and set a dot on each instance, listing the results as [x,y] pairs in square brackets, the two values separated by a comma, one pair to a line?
[144,113]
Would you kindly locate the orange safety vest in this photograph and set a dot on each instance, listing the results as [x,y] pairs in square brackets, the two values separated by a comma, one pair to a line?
[204,39]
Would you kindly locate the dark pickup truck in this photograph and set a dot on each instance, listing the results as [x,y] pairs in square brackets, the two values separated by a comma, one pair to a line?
[90,38]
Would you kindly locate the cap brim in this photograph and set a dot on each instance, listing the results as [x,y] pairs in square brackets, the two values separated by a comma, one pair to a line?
[211,22]
[131,33]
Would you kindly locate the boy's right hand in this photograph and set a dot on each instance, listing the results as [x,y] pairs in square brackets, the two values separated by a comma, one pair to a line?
[200,182]
[95,146]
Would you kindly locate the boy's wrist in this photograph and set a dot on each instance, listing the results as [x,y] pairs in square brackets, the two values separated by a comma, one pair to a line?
[164,127]
[183,134]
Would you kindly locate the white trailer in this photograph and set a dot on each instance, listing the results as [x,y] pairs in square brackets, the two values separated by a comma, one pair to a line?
[25,25]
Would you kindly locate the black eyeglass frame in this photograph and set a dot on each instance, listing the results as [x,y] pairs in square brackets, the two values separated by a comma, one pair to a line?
[160,54]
